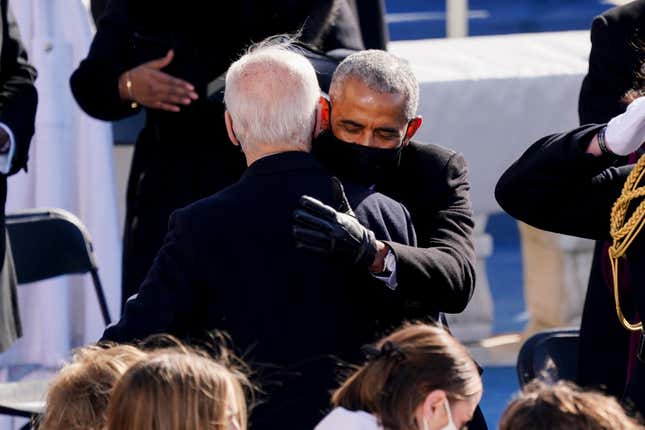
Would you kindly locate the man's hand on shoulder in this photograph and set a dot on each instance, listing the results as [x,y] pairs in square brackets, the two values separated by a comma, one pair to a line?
[322,229]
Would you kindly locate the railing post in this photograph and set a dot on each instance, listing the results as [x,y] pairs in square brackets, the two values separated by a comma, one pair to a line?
[456,18]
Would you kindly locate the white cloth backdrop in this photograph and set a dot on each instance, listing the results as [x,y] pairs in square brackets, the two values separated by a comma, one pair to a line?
[70,167]
[490,97]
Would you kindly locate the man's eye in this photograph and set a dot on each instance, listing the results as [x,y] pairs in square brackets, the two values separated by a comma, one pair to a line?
[352,128]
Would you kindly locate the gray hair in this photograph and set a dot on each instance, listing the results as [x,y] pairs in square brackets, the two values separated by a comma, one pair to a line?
[382,72]
[272,94]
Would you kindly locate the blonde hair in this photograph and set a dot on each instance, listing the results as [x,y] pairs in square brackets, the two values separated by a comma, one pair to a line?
[78,396]
[178,388]
[565,406]
[403,369]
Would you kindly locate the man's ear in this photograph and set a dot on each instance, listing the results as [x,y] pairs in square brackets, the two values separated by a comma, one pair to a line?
[229,128]
[413,126]
[323,115]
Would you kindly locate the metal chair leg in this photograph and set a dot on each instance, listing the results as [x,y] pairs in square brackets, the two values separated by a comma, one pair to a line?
[101,297]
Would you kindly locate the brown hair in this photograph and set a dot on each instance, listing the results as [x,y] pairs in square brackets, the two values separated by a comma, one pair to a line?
[178,388]
[78,396]
[564,406]
[406,366]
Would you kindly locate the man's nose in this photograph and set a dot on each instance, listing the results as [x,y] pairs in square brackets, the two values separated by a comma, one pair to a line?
[366,139]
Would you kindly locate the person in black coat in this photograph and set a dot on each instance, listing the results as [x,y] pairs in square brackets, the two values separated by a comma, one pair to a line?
[374,97]
[229,263]
[156,56]
[567,184]
[614,63]
[372,118]
[18,101]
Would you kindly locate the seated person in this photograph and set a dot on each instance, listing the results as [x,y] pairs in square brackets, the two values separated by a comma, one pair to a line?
[564,406]
[419,377]
[229,261]
[78,396]
[178,389]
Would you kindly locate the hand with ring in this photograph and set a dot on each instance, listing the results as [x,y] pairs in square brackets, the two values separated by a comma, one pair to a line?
[148,86]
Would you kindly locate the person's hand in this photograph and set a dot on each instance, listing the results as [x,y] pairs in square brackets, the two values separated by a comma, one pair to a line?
[152,88]
[322,229]
[625,133]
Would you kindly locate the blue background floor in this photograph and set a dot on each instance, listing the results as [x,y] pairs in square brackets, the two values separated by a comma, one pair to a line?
[504,270]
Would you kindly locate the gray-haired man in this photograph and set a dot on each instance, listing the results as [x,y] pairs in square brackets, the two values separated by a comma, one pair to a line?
[372,119]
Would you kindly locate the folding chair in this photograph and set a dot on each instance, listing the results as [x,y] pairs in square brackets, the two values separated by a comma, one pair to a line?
[549,355]
[46,243]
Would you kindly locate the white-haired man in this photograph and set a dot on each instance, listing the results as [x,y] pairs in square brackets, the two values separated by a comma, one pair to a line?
[229,261]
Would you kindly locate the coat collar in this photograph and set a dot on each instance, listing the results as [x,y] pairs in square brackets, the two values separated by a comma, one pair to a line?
[282,162]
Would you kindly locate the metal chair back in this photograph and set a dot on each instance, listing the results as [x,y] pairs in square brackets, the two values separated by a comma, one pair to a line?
[47,243]
[549,355]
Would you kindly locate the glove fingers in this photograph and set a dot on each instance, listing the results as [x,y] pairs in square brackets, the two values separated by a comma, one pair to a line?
[317,207]
[306,219]
[311,240]
[304,234]
[310,248]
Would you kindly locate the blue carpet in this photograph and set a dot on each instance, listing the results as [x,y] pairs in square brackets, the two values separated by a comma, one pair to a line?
[500,385]
[504,269]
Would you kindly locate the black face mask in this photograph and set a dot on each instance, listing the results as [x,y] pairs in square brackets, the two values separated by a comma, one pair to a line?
[361,164]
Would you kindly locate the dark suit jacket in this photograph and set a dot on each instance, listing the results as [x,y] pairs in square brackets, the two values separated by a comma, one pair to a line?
[18,100]
[557,187]
[438,275]
[179,157]
[615,59]
[229,262]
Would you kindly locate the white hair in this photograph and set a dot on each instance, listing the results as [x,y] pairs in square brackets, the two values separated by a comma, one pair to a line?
[383,73]
[272,94]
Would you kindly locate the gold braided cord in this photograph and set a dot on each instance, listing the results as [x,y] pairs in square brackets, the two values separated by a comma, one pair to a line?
[623,233]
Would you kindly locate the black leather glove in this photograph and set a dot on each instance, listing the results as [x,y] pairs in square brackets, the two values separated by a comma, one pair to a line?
[322,229]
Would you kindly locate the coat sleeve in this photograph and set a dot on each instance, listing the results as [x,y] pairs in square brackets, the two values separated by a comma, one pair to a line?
[556,186]
[18,96]
[167,300]
[95,83]
[440,272]
[605,82]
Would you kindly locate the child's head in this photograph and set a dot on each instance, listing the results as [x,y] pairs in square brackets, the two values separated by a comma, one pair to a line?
[417,376]
[78,396]
[564,406]
[177,388]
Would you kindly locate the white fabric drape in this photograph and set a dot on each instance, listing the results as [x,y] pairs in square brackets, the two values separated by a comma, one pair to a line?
[70,167]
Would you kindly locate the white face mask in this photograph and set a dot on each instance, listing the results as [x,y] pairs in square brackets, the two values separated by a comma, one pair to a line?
[451,423]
